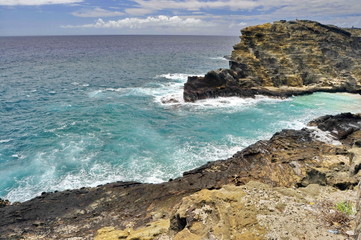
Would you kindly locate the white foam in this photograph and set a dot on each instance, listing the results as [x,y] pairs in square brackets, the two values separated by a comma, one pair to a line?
[170,94]
[234,102]
[95,94]
[161,92]
[144,167]
[177,76]
[63,126]
[78,84]
[99,173]
[219,58]
[102,93]
[190,155]
[296,124]
[5,140]
[324,136]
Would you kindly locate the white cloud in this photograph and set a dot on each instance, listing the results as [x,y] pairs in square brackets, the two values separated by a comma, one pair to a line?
[138,11]
[149,22]
[36,2]
[313,7]
[195,5]
[97,12]
[276,7]
[237,25]
[351,21]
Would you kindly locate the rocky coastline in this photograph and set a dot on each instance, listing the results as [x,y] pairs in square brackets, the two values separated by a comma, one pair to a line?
[258,193]
[286,187]
[285,58]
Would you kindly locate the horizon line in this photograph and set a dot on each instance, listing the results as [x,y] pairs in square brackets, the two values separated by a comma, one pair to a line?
[79,35]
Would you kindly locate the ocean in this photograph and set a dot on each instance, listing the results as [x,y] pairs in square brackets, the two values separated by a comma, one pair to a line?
[81,111]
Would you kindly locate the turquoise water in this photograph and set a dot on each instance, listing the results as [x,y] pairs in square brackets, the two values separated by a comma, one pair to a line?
[83,111]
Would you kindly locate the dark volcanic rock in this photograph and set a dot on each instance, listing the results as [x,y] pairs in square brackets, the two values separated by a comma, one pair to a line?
[340,126]
[4,203]
[290,158]
[284,59]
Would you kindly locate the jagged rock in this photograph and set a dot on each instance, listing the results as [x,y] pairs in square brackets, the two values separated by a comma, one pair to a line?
[284,59]
[4,203]
[290,159]
[340,126]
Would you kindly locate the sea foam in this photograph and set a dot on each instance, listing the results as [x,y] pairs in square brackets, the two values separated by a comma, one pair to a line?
[171,94]
[219,58]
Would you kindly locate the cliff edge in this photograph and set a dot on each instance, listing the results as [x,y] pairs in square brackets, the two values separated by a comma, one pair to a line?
[273,189]
[285,58]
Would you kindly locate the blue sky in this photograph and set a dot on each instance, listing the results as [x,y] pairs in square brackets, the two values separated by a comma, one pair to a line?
[189,17]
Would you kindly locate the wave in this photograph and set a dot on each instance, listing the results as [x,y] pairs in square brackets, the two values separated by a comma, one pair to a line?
[324,136]
[170,94]
[174,161]
[80,84]
[160,91]
[5,140]
[235,103]
[219,58]
[177,76]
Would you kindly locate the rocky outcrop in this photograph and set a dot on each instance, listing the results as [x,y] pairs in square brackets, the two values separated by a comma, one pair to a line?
[284,59]
[253,211]
[326,154]
[4,203]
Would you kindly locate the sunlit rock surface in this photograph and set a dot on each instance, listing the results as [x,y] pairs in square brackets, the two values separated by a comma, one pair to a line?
[285,58]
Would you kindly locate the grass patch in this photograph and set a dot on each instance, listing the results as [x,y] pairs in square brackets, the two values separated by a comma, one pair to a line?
[345,208]
[337,215]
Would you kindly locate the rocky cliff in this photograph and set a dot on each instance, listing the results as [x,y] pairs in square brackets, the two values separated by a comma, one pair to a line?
[265,191]
[283,59]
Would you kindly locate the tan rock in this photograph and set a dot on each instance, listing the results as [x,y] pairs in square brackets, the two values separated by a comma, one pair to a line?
[153,230]
[305,56]
[253,211]
[221,214]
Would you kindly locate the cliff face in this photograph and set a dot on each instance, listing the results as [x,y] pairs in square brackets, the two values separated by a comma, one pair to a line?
[284,59]
[208,201]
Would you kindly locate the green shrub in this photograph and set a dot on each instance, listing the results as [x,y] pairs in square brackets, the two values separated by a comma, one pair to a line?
[345,207]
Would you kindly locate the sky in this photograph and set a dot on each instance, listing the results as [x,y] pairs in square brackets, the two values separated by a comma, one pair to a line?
[165,17]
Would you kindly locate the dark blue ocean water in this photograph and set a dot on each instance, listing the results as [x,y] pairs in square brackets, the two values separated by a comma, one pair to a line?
[86,110]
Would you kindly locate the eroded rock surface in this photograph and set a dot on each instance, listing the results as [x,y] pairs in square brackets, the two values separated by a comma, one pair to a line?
[284,59]
[326,154]
[248,212]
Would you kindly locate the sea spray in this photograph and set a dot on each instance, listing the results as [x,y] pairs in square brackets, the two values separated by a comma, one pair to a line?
[86,117]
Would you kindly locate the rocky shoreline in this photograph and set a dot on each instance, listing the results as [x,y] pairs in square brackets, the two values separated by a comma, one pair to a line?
[285,58]
[286,187]
[291,174]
